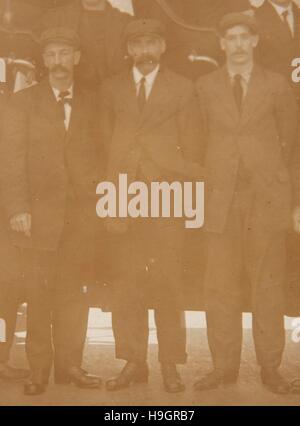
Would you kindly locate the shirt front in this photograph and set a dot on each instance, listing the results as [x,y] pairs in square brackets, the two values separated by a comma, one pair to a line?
[67,106]
[149,80]
[245,78]
[244,175]
[280,10]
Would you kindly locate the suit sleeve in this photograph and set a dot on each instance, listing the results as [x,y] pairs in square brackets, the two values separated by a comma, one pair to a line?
[13,153]
[190,131]
[287,117]
[295,168]
[106,123]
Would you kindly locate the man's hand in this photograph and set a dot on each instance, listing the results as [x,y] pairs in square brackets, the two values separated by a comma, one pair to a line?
[21,223]
[296,220]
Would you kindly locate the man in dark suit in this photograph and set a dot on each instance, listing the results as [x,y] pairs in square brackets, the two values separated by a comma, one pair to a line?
[48,179]
[101,28]
[150,125]
[11,284]
[12,294]
[279,43]
[250,116]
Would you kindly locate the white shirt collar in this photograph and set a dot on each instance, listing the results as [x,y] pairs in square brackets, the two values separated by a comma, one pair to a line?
[281,9]
[57,92]
[246,75]
[150,78]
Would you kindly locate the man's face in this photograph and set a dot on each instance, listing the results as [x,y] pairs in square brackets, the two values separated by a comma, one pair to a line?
[238,44]
[60,60]
[146,50]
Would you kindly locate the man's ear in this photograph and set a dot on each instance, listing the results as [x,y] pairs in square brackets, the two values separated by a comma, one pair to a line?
[77,57]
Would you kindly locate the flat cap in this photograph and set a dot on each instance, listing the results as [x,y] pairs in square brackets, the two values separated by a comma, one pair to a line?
[60,35]
[141,27]
[238,18]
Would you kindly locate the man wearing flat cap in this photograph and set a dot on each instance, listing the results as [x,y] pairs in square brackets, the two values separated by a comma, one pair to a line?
[48,179]
[250,118]
[149,123]
[101,29]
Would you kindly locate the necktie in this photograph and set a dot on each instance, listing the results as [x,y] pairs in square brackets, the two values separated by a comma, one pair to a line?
[285,16]
[142,94]
[63,100]
[238,90]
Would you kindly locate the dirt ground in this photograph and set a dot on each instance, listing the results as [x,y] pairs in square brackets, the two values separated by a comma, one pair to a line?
[99,359]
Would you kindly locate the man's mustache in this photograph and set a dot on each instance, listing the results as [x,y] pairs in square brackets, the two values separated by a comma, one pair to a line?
[145,59]
[59,68]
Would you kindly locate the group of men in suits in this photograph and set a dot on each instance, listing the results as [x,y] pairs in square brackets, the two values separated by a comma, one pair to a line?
[236,130]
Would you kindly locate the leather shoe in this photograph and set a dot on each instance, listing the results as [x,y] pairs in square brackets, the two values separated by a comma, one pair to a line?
[131,373]
[171,378]
[274,381]
[79,378]
[33,389]
[214,379]
[8,373]
[37,383]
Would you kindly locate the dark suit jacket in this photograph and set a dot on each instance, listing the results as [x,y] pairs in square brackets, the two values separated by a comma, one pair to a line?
[44,169]
[162,141]
[159,144]
[10,262]
[276,48]
[115,51]
[262,136]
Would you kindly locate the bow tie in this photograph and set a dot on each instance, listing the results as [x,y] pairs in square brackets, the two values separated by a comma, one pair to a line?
[64,98]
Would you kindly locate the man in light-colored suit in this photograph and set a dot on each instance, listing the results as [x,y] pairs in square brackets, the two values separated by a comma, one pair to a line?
[250,118]
[149,123]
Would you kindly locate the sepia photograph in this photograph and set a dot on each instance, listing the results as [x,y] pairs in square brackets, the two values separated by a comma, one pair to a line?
[150,205]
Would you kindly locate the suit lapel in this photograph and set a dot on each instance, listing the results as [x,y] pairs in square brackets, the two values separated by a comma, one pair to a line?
[255,95]
[160,92]
[224,92]
[49,109]
[76,116]
[128,95]
[275,21]
[297,22]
